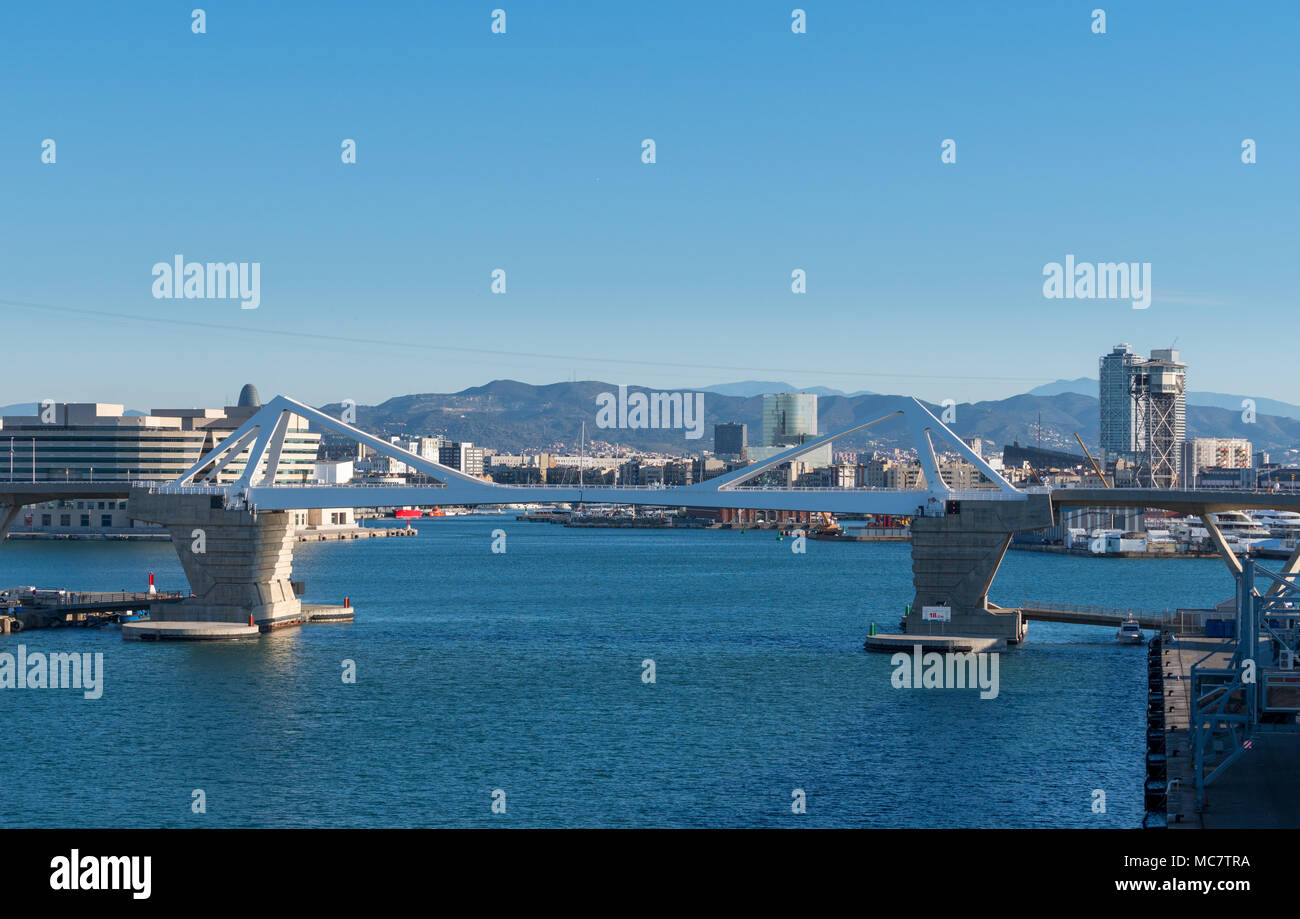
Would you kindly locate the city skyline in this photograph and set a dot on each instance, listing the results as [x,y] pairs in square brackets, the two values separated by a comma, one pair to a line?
[798,150]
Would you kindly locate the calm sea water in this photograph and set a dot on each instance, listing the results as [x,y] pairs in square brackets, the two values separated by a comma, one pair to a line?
[523,672]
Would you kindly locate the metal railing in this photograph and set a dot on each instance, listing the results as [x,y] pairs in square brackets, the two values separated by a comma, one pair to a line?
[992,494]
[92,598]
[1130,613]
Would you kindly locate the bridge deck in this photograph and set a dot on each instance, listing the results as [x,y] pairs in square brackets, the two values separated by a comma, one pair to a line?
[96,601]
[1147,619]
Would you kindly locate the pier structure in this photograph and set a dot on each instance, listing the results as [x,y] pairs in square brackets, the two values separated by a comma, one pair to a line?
[1224,744]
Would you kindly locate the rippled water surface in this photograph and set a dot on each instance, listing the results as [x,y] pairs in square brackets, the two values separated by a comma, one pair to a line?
[523,672]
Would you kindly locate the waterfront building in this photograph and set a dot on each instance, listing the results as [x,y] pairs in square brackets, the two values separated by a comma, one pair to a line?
[708,467]
[790,419]
[429,447]
[1143,412]
[1213,452]
[463,457]
[1224,477]
[842,475]
[334,473]
[958,473]
[679,472]
[517,475]
[98,441]
[1279,478]
[786,416]
[729,439]
[1118,426]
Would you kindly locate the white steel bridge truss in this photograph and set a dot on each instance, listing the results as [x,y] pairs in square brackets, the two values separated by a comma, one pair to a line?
[262,436]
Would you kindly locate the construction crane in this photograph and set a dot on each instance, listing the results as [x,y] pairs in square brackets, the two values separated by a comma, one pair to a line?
[1095,467]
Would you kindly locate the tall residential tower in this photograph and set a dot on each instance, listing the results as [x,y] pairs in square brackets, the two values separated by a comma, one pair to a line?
[1143,412]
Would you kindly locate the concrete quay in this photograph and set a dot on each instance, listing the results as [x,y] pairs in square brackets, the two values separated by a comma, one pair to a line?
[1255,792]
[228,631]
[188,631]
[355,533]
[324,612]
[956,644]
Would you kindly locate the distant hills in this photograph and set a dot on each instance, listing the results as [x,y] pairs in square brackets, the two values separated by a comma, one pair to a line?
[1088,387]
[749,388]
[511,416]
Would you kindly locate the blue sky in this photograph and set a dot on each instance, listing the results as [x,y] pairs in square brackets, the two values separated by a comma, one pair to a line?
[522,151]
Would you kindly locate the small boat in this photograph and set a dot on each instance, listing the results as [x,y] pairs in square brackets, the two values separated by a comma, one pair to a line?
[1129,633]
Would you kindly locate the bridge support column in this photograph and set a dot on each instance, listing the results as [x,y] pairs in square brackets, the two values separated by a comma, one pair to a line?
[1216,536]
[8,514]
[954,560]
[238,562]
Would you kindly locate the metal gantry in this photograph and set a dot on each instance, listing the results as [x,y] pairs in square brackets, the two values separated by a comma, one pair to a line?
[1258,689]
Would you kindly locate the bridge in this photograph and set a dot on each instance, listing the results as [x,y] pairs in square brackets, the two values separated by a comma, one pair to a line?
[235,538]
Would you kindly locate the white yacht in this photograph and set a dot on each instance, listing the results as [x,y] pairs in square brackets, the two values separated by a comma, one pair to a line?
[1129,633]
[1282,524]
[1239,531]
[1239,524]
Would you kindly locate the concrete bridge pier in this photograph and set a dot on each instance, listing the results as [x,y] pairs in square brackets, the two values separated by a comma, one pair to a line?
[238,562]
[8,516]
[954,560]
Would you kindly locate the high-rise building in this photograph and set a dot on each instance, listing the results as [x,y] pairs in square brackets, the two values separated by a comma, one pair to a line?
[790,419]
[729,439]
[1118,428]
[1143,412]
[786,415]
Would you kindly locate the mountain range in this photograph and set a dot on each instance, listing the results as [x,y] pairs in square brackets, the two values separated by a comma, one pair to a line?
[511,416]
[1088,387]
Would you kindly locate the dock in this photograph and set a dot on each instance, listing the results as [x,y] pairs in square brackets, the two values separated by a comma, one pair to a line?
[1258,790]
[324,612]
[188,631]
[23,609]
[329,535]
[47,609]
[943,644]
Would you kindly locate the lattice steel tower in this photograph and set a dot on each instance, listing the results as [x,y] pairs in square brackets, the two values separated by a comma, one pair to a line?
[1159,390]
